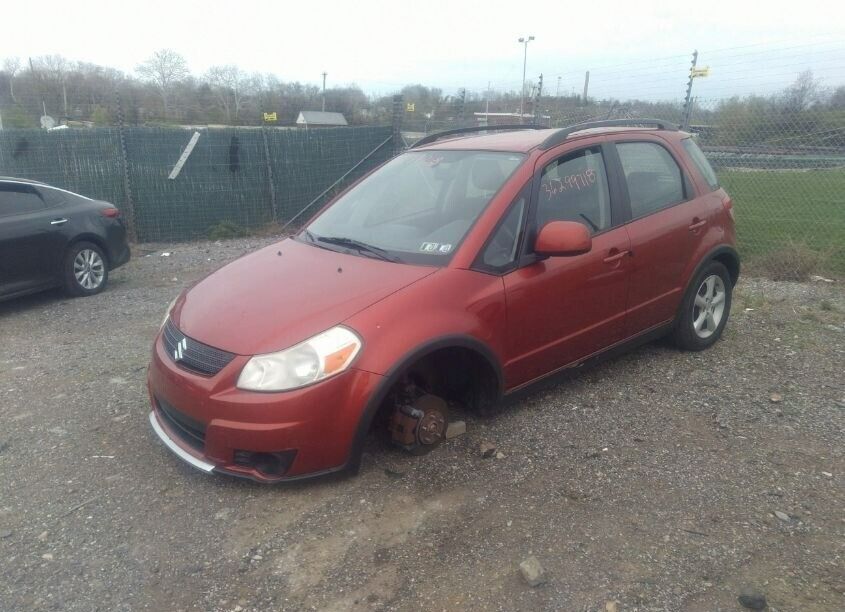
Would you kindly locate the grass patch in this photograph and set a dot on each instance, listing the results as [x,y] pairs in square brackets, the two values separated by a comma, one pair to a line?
[226,230]
[779,209]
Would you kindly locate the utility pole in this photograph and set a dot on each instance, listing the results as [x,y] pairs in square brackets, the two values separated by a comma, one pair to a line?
[557,92]
[537,113]
[486,108]
[688,100]
[586,87]
[524,40]
[324,90]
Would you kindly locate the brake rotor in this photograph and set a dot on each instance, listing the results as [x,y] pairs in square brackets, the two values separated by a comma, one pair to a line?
[421,426]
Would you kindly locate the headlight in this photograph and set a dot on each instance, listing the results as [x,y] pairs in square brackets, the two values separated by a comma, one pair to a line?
[317,358]
[167,312]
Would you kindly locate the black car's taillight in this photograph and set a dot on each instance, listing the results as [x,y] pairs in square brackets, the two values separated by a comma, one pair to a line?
[111,213]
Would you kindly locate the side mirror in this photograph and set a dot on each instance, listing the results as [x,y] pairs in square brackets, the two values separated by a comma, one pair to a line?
[561,238]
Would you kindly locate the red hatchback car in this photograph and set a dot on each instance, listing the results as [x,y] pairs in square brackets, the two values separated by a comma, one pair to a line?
[462,270]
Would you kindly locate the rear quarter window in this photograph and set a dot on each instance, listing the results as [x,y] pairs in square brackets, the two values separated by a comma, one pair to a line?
[700,162]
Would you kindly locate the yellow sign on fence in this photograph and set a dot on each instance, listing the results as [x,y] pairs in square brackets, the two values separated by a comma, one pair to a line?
[270,117]
[700,72]
[409,107]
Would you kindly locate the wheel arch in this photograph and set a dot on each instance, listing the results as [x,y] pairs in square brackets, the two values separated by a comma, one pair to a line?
[408,360]
[93,239]
[725,255]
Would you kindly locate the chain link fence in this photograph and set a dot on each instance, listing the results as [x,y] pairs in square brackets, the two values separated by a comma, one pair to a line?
[232,181]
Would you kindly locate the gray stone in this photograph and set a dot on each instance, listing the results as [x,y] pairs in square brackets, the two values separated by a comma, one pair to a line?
[532,571]
[753,600]
[487,449]
[455,429]
[782,515]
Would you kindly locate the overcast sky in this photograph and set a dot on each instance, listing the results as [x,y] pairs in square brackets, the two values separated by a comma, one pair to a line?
[633,49]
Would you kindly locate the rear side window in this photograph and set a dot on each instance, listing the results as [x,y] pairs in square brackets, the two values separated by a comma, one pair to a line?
[18,200]
[701,163]
[654,179]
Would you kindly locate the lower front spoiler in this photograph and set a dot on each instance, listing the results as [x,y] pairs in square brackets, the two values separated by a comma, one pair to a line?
[178,450]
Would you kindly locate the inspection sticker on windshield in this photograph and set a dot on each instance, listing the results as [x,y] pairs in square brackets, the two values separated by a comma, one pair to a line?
[435,247]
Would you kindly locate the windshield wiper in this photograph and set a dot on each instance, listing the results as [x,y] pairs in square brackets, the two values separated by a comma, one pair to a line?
[361,247]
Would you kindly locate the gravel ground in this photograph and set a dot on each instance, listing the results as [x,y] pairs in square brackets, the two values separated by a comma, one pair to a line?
[651,481]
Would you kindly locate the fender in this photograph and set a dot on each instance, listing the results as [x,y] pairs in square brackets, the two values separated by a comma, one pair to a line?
[353,463]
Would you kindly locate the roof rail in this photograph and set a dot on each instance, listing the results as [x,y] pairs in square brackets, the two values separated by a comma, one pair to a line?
[562,134]
[476,128]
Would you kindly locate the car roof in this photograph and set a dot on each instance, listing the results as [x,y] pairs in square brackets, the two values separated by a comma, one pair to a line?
[13,179]
[525,140]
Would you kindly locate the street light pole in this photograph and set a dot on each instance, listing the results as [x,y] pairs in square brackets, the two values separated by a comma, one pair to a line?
[324,91]
[525,42]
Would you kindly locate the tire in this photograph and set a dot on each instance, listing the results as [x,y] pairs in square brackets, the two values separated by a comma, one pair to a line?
[85,270]
[704,309]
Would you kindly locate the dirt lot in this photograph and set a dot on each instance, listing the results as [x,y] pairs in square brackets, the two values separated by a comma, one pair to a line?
[651,480]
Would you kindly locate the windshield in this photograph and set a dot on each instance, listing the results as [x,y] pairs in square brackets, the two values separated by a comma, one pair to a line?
[416,208]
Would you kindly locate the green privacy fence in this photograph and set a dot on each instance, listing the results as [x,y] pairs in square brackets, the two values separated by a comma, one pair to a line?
[242,177]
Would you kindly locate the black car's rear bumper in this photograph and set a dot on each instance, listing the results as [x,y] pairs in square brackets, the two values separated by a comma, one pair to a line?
[116,244]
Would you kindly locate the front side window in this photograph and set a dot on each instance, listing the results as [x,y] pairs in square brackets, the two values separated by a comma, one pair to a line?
[18,200]
[653,177]
[704,167]
[417,208]
[574,188]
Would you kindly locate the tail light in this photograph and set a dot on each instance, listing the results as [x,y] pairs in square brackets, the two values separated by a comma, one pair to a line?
[111,213]
[728,203]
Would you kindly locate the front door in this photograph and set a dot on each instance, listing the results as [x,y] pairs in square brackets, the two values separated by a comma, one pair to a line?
[563,309]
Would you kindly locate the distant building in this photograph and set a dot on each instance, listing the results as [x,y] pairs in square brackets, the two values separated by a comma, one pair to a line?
[320,119]
[510,118]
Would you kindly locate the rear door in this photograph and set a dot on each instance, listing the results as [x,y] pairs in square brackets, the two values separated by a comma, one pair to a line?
[667,223]
[562,309]
[28,241]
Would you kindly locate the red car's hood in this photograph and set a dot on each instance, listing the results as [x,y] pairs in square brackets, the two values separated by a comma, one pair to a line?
[266,302]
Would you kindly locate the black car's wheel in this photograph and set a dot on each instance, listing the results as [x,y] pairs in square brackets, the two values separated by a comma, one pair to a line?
[704,309]
[85,269]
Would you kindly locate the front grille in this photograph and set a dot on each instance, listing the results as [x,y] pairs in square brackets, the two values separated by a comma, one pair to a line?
[191,431]
[192,355]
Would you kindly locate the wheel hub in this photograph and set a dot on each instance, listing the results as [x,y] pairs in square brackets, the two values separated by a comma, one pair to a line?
[420,426]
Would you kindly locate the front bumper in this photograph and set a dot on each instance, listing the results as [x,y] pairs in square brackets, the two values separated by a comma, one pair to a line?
[312,429]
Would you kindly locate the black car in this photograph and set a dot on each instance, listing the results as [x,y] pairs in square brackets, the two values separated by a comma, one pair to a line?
[50,237]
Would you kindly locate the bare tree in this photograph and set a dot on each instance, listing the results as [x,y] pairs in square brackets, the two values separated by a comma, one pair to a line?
[53,71]
[165,69]
[230,85]
[12,66]
[803,93]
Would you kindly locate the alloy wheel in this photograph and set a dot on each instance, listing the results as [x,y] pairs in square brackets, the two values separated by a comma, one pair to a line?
[708,308]
[89,269]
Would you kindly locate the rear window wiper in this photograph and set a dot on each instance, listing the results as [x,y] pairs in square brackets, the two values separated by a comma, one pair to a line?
[361,247]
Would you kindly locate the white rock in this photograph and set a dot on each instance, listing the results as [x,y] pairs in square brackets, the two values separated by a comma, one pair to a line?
[455,429]
[532,571]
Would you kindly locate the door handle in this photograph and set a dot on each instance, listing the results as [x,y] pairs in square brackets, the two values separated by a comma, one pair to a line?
[615,257]
[697,224]
[58,221]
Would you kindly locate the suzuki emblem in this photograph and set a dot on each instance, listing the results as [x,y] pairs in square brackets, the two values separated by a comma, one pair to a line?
[181,347]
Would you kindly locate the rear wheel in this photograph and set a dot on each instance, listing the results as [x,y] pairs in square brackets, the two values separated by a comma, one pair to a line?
[85,270]
[705,308]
